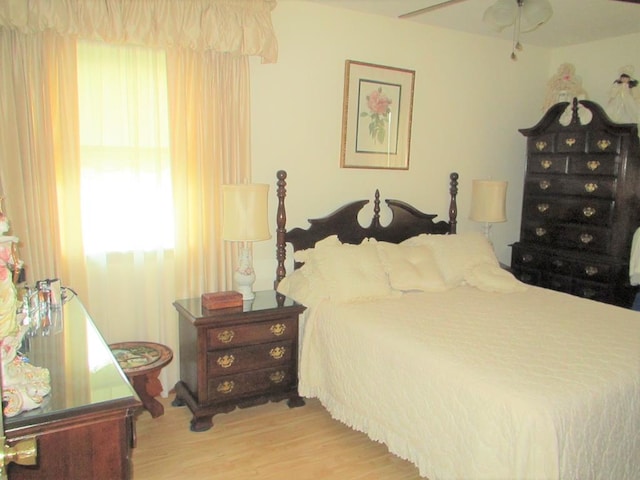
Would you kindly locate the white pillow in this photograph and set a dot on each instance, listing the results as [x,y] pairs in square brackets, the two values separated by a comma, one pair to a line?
[298,286]
[305,255]
[350,272]
[456,254]
[492,278]
[411,267]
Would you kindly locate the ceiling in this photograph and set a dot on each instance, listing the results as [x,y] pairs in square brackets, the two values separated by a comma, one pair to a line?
[573,21]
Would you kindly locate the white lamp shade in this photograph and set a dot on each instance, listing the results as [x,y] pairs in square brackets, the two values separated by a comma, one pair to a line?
[245,212]
[488,201]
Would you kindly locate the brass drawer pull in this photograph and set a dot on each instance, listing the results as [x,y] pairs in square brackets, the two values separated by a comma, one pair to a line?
[541,232]
[570,142]
[277,377]
[225,387]
[544,184]
[546,164]
[558,263]
[543,207]
[588,212]
[226,361]
[593,165]
[591,187]
[540,145]
[226,336]
[586,238]
[278,329]
[277,352]
[603,144]
[527,258]
[591,270]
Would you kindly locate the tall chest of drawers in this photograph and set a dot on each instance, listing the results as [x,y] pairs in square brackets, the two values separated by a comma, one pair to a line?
[581,203]
[237,357]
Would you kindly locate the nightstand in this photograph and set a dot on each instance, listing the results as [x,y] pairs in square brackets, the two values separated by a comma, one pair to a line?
[237,357]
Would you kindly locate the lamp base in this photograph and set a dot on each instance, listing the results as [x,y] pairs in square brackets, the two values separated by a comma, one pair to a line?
[244,275]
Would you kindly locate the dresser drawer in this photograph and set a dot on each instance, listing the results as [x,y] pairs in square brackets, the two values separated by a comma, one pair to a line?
[226,362]
[526,275]
[526,258]
[593,165]
[587,186]
[593,291]
[568,209]
[559,283]
[571,142]
[244,334]
[249,383]
[582,237]
[601,142]
[547,164]
[541,143]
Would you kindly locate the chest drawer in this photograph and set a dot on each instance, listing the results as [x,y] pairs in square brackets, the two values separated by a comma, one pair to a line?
[587,186]
[254,382]
[601,142]
[226,362]
[582,237]
[593,165]
[547,164]
[570,209]
[251,333]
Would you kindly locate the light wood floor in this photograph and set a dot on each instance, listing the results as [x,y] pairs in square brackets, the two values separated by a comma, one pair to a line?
[265,442]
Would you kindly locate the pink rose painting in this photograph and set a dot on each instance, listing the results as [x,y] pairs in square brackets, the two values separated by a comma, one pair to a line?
[379,110]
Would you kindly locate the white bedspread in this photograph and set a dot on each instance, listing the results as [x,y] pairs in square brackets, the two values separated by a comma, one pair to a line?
[473,385]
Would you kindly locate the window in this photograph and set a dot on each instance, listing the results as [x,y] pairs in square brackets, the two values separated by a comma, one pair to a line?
[124,149]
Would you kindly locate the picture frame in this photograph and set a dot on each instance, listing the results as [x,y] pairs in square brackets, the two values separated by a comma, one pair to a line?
[376,116]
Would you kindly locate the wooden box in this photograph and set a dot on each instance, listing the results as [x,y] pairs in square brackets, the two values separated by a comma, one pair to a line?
[216,300]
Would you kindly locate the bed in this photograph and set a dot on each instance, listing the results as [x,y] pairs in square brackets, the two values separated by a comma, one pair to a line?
[416,336]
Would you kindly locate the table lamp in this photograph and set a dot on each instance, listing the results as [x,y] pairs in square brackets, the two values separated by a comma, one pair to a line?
[488,203]
[245,219]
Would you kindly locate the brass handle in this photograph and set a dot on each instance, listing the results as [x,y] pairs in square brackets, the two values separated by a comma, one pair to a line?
[527,258]
[225,387]
[277,352]
[24,452]
[588,212]
[540,145]
[226,336]
[226,361]
[591,270]
[278,329]
[591,187]
[593,165]
[558,263]
[570,142]
[586,238]
[543,207]
[277,377]
[541,232]
[544,184]
[603,144]
[546,164]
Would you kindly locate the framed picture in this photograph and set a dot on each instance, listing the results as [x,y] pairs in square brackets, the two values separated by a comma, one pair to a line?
[376,116]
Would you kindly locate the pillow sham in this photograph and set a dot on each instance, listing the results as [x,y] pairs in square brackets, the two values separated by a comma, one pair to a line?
[349,272]
[411,267]
[456,254]
[492,278]
[298,287]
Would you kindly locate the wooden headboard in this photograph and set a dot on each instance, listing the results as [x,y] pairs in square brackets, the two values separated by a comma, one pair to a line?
[406,222]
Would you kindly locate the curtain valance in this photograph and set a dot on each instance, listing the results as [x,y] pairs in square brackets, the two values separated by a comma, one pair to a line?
[234,26]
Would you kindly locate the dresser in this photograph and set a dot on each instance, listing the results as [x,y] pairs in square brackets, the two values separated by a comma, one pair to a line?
[238,356]
[581,204]
[84,428]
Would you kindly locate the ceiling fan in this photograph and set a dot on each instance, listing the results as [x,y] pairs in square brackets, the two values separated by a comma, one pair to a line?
[523,15]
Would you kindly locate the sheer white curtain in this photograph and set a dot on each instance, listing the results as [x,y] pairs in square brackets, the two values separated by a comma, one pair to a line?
[126,191]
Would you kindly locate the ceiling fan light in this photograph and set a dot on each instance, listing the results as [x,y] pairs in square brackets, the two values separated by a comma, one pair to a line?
[501,14]
[534,14]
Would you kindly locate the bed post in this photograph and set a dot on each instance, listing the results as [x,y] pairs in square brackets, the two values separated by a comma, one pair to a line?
[281,230]
[453,206]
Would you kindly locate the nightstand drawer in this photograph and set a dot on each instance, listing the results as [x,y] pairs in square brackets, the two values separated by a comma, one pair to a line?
[233,360]
[246,334]
[232,386]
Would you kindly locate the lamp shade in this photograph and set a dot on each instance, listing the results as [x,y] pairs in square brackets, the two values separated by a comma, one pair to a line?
[245,212]
[488,201]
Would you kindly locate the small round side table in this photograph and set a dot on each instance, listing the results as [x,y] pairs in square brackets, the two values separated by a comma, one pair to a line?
[142,362]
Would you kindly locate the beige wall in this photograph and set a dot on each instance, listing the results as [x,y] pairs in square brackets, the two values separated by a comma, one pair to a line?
[470,99]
